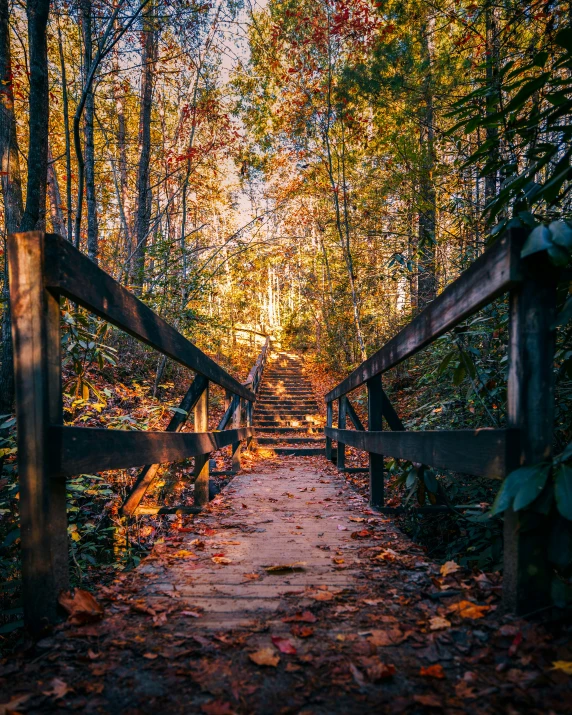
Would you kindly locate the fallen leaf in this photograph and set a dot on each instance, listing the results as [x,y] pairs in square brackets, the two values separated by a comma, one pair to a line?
[284,645]
[217,707]
[302,631]
[437,623]
[359,519]
[386,555]
[286,568]
[467,609]
[81,606]
[191,614]
[429,701]
[265,656]
[150,656]
[564,665]
[338,561]
[341,527]
[449,567]
[377,670]
[303,616]
[320,595]
[363,534]
[432,671]
[464,690]
[221,560]
[381,638]
[184,554]
[14,704]
[251,576]
[244,506]
[58,690]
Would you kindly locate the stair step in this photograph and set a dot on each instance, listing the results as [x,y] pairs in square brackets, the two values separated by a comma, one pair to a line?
[310,429]
[302,452]
[290,440]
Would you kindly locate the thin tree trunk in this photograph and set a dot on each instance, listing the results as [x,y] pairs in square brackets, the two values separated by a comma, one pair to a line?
[12,195]
[92,228]
[492,67]
[427,281]
[34,217]
[56,214]
[122,162]
[65,103]
[143,215]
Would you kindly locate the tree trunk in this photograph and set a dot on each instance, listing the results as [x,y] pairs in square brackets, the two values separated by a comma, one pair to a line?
[122,164]
[12,195]
[56,213]
[65,103]
[427,281]
[143,215]
[92,230]
[492,67]
[39,112]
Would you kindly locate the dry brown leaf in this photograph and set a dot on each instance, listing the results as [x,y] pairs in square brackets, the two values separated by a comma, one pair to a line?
[389,637]
[301,631]
[449,567]
[265,656]
[150,656]
[304,617]
[81,606]
[58,690]
[251,576]
[429,701]
[14,704]
[437,623]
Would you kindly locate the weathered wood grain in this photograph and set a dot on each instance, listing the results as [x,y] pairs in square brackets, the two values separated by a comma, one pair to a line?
[482,452]
[201,425]
[37,378]
[87,449]
[375,405]
[75,276]
[527,573]
[495,272]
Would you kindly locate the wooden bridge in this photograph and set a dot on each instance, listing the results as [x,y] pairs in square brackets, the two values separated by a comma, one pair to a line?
[290,535]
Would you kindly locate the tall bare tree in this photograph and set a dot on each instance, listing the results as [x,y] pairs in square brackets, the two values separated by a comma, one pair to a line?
[11,193]
[39,113]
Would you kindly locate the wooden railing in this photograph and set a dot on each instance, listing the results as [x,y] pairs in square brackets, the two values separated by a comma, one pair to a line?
[527,438]
[44,267]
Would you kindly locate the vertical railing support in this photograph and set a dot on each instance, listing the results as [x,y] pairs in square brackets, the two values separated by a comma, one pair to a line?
[527,573]
[342,412]
[236,446]
[375,424]
[202,461]
[37,372]
[329,423]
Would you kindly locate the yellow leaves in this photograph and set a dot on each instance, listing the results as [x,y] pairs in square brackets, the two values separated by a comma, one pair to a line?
[286,568]
[386,555]
[224,560]
[467,609]
[565,666]
[449,567]
[265,657]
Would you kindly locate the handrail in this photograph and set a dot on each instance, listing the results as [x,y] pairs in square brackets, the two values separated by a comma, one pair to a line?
[43,267]
[526,440]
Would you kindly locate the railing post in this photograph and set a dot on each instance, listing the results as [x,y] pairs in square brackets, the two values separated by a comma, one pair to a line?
[249,409]
[236,446]
[37,372]
[329,423]
[202,460]
[342,411]
[375,424]
[527,574]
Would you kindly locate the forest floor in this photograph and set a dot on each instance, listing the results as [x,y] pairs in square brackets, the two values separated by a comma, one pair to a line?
[289,595]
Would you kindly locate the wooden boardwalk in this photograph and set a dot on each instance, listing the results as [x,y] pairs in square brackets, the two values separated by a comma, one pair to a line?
[290,517]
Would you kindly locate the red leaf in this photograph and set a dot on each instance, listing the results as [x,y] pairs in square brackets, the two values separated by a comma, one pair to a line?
[284,645]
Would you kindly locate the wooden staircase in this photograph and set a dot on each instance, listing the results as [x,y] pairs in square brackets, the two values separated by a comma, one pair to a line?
[286,414]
